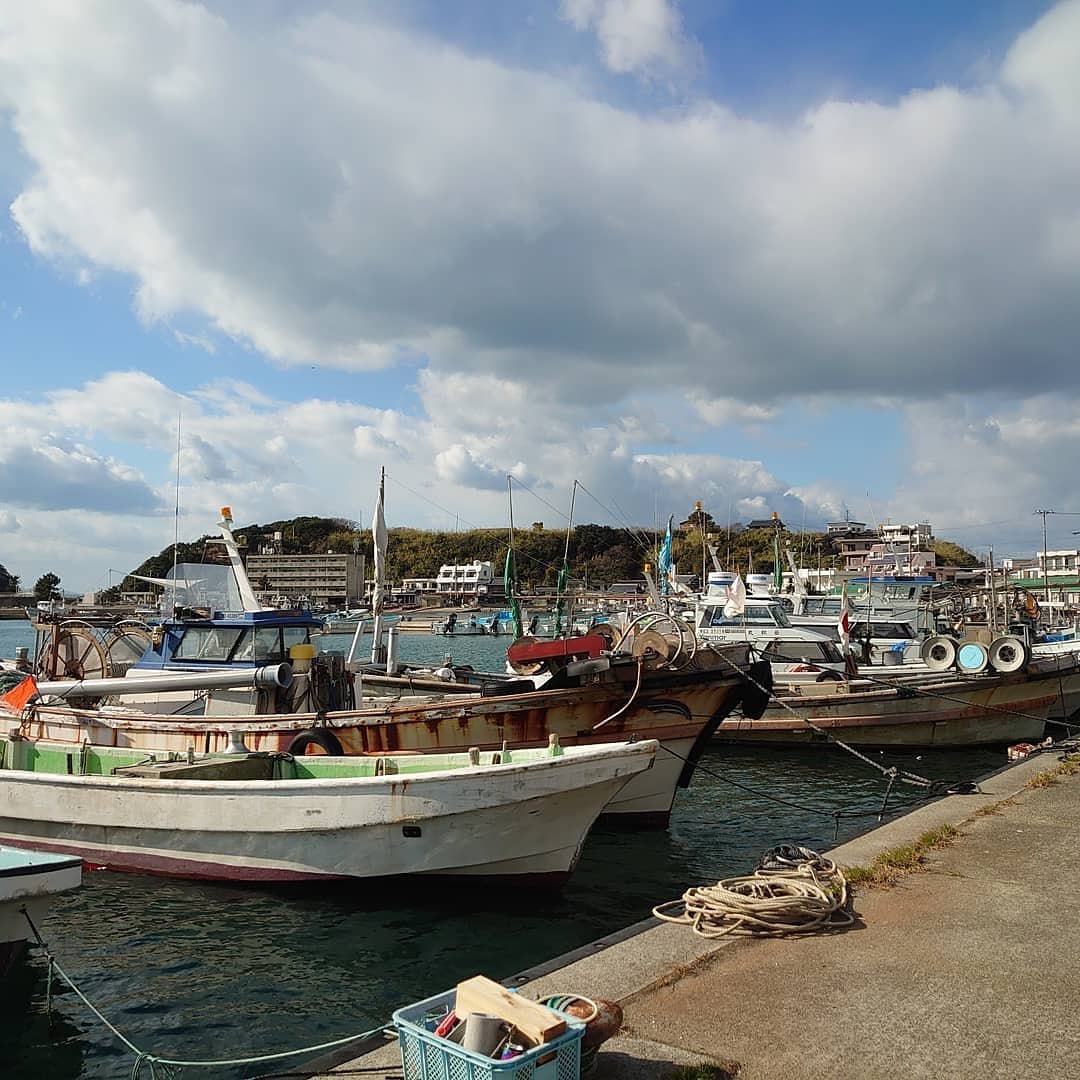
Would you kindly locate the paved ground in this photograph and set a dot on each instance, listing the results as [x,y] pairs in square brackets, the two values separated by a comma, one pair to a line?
[968,969]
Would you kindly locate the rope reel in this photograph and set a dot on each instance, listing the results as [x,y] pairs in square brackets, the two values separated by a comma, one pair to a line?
[71,650]
[653,648]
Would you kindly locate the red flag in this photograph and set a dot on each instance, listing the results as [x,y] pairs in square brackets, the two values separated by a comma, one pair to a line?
[16,698]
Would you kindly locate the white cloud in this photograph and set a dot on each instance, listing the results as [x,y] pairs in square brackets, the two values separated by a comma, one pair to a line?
[340,191]
[583,288]
[643,36]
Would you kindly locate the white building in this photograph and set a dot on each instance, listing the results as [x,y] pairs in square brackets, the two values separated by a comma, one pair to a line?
[473,581]
[916,537]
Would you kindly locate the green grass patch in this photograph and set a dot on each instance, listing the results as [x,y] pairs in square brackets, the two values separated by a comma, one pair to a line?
[994,808]
[1068,766]
[726,1070]
[893,864]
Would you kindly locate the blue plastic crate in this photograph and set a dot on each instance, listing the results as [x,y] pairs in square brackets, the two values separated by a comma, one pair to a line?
[426,1056]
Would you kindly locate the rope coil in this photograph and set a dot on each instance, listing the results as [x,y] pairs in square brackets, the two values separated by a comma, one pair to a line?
[793,890]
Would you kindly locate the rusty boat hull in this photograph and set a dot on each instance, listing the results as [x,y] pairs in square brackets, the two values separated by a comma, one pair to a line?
[682,709]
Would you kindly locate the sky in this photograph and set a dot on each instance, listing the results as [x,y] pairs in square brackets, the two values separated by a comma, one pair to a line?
[822,259]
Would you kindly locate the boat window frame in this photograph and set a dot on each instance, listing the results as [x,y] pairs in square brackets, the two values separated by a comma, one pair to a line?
[206,630]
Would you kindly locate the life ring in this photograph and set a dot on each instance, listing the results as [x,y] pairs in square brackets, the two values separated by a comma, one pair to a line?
[315,741]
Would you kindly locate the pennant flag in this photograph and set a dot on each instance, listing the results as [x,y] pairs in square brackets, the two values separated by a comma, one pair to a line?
[843,623]
[560,601]
[736,599]
[378,534]
[664,566]
[16,698]
[509,580]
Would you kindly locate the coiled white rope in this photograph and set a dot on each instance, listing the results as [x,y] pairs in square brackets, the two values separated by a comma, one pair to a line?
[784,895]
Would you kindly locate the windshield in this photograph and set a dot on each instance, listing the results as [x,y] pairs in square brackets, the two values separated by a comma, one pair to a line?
[207,643]
[203,585]
[803,652]
[754,615]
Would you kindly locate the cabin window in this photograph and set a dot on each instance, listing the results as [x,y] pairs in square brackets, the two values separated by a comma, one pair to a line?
[295,635]
[795,652]
[260,645]
[207,643]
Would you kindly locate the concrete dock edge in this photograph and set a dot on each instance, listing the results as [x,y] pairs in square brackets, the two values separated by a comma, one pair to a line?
[639,960]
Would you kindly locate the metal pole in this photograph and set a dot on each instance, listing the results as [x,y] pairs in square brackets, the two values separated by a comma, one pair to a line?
[1046,566]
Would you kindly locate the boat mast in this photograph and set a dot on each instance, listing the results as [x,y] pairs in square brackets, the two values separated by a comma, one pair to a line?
[378,592]
[564,573]
[248,600]
[176,518]
[510,570]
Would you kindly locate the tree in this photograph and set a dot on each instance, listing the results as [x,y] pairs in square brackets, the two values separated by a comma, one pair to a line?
[699,518]
[950,554]
[46,585]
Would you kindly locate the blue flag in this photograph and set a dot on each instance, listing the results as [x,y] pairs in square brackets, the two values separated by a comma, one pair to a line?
[663,563]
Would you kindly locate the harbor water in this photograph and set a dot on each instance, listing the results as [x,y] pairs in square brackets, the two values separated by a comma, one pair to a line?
[204,971]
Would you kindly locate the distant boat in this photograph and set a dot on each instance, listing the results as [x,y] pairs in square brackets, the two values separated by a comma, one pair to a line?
[518,815]
[29,879]
[452,626]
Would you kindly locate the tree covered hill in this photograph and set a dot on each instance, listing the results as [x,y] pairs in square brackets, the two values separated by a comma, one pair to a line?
[598,554]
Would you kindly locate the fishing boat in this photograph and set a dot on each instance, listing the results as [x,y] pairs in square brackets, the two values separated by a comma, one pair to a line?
[514,815]
[453,626]
[223,671]
[938,710]
[797,653]
[29,879]
[347,621]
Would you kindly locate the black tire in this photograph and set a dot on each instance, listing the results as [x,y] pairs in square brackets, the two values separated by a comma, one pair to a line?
[325,741]
[828,675]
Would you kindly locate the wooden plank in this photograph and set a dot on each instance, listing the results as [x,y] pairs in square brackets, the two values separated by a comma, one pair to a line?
[536,1023]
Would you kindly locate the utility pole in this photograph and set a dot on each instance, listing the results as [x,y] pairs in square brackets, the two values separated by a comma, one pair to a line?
[1046,567]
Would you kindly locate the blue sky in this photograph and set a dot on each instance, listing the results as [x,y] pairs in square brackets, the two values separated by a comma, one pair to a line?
[778,256]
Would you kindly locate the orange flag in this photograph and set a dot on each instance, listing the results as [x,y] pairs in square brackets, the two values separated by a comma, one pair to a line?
[16,698]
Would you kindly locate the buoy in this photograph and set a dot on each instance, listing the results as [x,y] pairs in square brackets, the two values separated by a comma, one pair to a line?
[938,653]
[972,657]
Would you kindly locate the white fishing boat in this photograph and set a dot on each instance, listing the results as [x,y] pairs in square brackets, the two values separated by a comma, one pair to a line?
[797,653]
[519,815]
[224,669]
[29,879]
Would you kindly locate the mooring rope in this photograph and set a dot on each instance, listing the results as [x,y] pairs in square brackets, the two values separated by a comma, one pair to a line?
[793,891]
[916,689]
[937,789]
[891,772]
[152,1062]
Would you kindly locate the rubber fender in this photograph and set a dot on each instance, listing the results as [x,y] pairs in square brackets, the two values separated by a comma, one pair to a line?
[939,652]
[1008,653]
[325,741]
[756,697]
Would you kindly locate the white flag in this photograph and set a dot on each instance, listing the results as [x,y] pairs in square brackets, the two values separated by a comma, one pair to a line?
[736,599]
[378,534]
[843,623]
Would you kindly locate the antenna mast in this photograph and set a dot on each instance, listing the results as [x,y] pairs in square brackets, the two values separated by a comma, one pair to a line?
[176,513]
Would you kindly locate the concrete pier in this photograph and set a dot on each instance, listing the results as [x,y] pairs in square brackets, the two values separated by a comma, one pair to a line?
[968,968]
